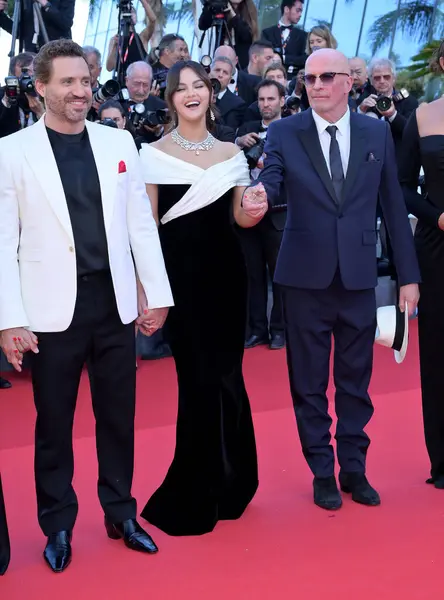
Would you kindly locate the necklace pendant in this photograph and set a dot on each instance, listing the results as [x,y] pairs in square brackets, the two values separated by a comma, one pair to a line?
[197,152]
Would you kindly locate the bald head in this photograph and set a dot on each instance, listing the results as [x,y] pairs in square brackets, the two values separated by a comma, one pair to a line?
[139,77]
[329,60]
[328,83]
[226,52]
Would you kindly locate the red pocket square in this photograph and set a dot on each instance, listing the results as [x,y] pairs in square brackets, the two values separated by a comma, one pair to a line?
[122,167]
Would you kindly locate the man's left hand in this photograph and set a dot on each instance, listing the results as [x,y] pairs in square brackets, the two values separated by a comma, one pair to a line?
[151,320]
[409,294]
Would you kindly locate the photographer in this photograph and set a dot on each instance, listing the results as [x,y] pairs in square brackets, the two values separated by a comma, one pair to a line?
[5,20]
[139,82]
[57,17]
[20,106]
[231,108]
[241,21]
[171,49]
[387,103]
[261,243]
[136,48]
[288,40]
[242,84]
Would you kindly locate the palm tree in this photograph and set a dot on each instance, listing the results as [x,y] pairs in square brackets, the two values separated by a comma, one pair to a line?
[417,19]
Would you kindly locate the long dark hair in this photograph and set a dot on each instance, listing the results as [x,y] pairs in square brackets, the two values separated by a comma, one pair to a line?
[173,81]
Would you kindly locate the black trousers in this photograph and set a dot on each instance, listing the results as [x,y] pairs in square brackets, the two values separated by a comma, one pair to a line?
[98,336]
[313,318]
[431,335]
[5,550]
[261,248]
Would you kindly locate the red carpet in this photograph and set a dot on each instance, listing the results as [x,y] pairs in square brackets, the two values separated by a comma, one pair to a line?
[284,548]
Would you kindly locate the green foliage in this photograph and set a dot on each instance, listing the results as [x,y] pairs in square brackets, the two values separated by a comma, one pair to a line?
[414,19]
[420,66]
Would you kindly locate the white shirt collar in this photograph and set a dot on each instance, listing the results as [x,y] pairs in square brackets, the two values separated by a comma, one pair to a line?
[343,124]
[222,94]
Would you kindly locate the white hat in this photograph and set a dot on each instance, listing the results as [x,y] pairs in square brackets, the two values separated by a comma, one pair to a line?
[392,330]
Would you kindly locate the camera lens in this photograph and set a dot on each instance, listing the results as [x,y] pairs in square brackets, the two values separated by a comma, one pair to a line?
[383,103]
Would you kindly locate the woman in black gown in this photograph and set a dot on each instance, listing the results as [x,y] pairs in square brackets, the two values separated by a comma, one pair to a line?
[194,188]
[423,145]
[4,535]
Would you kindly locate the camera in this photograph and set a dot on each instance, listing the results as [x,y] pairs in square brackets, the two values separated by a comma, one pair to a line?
[139,116]
[125,6]
[108,90]
[206,61]
[291,103]
[217,7]
[161,79]
[383,103]
[108,122]
[17,87]
[254,153]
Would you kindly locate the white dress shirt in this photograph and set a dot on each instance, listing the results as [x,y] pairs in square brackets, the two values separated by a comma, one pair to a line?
[342,136]
[233,83]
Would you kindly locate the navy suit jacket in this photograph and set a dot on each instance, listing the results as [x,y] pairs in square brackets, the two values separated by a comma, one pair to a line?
[323,232]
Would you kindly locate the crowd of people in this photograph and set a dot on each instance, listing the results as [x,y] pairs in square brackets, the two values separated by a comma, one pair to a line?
[275,160]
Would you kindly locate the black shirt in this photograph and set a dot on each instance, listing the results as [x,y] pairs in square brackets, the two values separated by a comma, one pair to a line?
[80,180]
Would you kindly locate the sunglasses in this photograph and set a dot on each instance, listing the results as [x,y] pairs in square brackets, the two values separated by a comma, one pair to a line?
[325,78]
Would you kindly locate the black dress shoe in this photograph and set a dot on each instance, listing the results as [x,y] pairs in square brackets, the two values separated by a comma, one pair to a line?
[326,493]
[438,482]
[361,491]
[256,340]
[57,553]
[5,384]
[132,534]
[277,341]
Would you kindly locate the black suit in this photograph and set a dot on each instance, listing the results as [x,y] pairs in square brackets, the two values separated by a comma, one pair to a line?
[4,535]
[224,133]
[261,248]
[243,37]
[231,109]
[246,86]
[294,56]
[58,20]
[10,118]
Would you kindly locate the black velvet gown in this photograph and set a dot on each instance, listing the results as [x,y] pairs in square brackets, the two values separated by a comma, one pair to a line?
[214,472]
[428,152]
[4,535]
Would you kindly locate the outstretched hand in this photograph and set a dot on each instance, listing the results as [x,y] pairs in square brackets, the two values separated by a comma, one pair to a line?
[15,342]
[254,201]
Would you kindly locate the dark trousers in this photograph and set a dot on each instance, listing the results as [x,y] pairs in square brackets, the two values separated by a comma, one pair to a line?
[98,336]
[5,550]
[261,248]
[431,335]
[312,318]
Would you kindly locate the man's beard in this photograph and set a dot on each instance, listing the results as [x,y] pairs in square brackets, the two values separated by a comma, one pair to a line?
[62,108]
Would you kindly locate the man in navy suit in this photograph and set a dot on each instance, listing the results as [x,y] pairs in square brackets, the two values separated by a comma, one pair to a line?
[334,165]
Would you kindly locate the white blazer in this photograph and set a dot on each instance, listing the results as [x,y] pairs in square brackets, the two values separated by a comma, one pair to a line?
[38,272]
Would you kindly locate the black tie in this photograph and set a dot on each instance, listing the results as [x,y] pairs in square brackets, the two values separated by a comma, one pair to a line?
[337,172]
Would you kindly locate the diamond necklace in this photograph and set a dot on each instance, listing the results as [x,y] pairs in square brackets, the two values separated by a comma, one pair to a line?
[207,143]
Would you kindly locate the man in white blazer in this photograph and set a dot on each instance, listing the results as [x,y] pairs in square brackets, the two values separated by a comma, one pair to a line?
[75,226]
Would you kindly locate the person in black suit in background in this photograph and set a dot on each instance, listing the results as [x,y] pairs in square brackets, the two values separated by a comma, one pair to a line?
[5,550]
[231,107]
[242,84]
[241,18]
[382,74]
[261,243]
[288,40]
